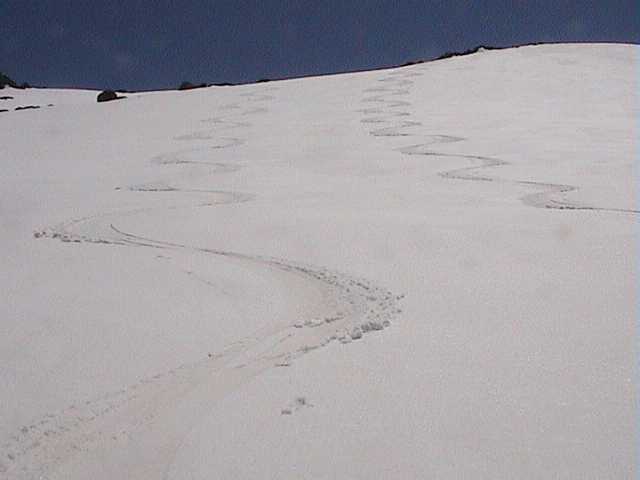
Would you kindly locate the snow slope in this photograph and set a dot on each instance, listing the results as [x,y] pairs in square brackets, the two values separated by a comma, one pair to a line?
[423,272]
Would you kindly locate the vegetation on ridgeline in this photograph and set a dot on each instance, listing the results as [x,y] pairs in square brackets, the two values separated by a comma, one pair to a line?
[477,49]
[6,81]
[191,86]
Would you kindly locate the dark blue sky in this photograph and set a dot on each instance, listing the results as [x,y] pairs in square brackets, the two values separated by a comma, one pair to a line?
[137,44]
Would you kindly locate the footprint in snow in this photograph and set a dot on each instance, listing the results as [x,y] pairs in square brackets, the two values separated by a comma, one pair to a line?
[297,404]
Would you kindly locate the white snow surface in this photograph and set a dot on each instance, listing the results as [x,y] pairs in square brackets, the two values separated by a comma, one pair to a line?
[422,272]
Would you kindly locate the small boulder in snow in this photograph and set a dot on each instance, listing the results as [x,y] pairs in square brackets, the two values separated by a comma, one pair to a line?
[107,96]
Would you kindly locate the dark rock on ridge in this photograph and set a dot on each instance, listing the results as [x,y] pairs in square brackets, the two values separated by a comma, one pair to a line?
[107,96]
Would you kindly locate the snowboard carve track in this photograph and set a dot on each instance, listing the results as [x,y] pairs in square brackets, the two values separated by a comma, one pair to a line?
[145,411]
[548,198]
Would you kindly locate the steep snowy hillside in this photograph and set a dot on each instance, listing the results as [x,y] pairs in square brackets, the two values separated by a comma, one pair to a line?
[423,272]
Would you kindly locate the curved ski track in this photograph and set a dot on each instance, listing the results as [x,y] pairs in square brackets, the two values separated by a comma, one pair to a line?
[354,306]
[387,113]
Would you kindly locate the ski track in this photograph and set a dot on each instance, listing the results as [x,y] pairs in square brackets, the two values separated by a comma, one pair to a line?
[354,306]
[386,96]
[357,306]
[183,157]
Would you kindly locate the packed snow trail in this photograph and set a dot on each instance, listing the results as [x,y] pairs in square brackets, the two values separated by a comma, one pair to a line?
[145,411]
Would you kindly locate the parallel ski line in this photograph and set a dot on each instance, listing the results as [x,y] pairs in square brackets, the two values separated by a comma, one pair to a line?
[543,199]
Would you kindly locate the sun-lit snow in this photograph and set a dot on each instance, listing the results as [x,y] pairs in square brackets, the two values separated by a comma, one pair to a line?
[423,272]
